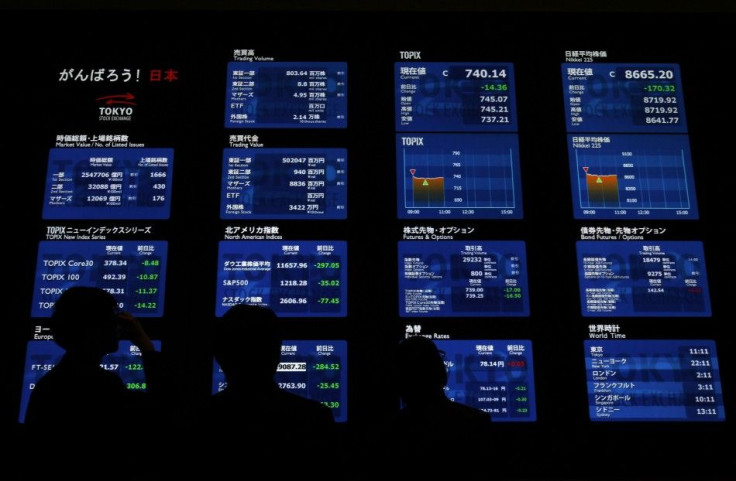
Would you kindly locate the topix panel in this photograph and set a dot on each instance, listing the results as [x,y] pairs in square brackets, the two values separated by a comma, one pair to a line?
[458,176]
[454,97]
[653,380]
[463,278]
[294,278]
[134,272]
[108,183]
[643,278]
[314,369]
[284,183]
[286,95]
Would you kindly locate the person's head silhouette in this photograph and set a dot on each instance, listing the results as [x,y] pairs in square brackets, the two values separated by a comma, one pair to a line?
[419,370]
[85,321]
[247,344]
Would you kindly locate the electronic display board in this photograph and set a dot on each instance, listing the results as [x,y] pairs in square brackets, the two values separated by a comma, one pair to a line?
[462,278]
[458,176]
[284,183]
[643,278]
[453,96]
[653,380]
[134,272]
[42,356]
[314,369]
[286,95]
[630,176]
[294,278]
[108,183]
[623,97]
[496,376]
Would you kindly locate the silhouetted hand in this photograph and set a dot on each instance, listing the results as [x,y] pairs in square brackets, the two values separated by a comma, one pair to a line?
[131,328]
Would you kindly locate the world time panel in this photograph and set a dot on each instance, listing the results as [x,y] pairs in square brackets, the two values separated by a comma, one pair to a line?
[496,376]
[267,183]
[458,176]
[632,177]
[286,95]
[42,356]
[108,183]
[454,97]
[134,272]
[463,278]
[643,278]
[314,369]
[620,97]
[653,380]
[294,278]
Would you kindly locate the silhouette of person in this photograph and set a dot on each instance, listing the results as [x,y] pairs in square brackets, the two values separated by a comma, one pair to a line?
[430,434]
[80,414]
[270,426]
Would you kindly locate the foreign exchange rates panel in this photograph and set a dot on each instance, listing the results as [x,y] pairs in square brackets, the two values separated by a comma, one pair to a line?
[492,375]
[286,94]
[653,380]
[134,272]
[458,176]
[454,97]
[462,278]
[643,278]
[269,183]
[42,356]
[316,370]
[620,97]
[294,278]
[108,183]
[632,177]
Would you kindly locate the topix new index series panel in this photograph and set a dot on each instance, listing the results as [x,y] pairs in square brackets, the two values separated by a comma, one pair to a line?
[134,272]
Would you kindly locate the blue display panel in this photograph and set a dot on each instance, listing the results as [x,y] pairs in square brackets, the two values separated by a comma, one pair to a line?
[316,370]
[42,356]
[496,376]
[463,278]
[456,176]
[286,94]
[653,380]
[632,177]
[643,278]
[134,272]
[284,184]
[447,97]
[108,183]
[620,97]
[294,278]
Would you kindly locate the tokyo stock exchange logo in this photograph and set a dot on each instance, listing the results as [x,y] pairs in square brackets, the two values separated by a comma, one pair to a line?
[116,108]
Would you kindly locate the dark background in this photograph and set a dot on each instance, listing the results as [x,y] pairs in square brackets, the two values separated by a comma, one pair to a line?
[198,41]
